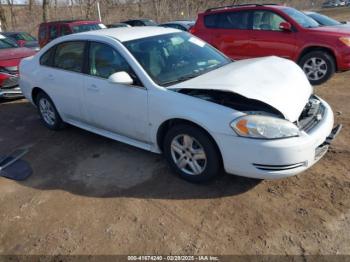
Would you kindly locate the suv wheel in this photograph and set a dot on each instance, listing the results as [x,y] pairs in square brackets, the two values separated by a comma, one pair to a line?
[318,66]
[48,112]
[192,153]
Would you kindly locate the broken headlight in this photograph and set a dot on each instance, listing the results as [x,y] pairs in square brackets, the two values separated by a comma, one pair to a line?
[264,127]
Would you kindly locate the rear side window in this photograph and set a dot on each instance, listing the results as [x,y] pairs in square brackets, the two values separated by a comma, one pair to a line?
[70,56]
[228,20]
[46,58]
[65,30]
[210,21]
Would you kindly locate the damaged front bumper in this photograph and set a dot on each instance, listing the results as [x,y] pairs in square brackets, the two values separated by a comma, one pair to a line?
[273,159]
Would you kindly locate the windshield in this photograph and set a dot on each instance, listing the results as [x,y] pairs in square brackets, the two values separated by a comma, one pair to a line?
[302,19]
[24,36]
[87,27]
[177,57]
[324,20]
[7,43]
[149,23]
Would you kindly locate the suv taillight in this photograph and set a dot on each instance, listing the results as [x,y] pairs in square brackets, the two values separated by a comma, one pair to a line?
[192,30]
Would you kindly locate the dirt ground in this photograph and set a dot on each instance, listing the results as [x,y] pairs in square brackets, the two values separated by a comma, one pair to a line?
[92,195]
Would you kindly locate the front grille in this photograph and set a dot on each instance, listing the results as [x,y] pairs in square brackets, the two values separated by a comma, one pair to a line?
[311,115]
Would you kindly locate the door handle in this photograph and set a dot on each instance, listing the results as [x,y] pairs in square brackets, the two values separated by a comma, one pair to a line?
[93,88]
[50,77]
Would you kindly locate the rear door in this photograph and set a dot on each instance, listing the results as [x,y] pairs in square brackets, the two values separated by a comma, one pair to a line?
[230,33]
[268,39]
[62,74]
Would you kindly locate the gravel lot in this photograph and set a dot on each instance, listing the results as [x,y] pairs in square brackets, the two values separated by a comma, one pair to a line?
[92,195]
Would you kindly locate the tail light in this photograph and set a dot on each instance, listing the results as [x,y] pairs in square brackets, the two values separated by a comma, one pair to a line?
[21,43]
[192,30]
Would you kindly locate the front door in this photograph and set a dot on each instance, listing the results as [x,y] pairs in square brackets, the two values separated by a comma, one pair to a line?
[268,39]
[117,108]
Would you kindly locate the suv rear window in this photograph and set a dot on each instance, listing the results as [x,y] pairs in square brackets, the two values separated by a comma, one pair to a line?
[86,27]
[228,20]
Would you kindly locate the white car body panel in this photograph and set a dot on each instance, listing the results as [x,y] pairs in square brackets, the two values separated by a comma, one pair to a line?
[134,115]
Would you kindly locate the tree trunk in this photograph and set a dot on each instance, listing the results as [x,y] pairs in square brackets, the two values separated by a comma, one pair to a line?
[13,17]
[3,20]
[45,10]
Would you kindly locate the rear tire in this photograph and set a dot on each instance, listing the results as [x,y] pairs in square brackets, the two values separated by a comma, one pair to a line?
[48,112]
[319,66]
[192,153]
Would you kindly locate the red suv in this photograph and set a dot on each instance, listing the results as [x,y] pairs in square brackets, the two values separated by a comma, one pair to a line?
[245,31]
[51,30]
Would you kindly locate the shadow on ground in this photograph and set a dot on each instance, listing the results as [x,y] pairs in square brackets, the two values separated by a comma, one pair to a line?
[86,164]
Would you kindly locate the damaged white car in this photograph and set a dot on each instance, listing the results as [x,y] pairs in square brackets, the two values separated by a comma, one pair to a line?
[168,92]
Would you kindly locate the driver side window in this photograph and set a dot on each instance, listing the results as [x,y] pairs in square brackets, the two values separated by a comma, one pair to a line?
[105,61]
[267,20]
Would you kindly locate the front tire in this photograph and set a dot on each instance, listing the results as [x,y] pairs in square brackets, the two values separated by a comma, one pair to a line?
[48,112]
[319,66]
[192,153]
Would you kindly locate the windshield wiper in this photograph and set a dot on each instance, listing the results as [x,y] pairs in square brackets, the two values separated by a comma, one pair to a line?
[190,76]
[181,79]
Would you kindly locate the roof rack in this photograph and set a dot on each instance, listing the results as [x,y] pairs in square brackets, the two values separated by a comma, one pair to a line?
[231,6]
[69,21]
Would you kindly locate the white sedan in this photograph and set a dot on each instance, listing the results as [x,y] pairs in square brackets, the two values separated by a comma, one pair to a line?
[169,92]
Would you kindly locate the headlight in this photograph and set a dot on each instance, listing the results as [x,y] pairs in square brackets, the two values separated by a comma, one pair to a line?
[264,127]
[345,40]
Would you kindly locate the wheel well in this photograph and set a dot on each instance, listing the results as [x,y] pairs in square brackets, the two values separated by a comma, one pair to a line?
[35,92]
[318,48]
[165,127]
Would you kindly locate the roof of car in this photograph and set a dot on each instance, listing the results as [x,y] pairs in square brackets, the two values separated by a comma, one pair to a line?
[180,22]
[71,21]
[124,34]
[140,19]
[11,33]
[309,12]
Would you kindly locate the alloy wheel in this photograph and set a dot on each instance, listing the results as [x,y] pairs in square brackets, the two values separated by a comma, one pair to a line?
[188,154]
[47,111]
[315,68]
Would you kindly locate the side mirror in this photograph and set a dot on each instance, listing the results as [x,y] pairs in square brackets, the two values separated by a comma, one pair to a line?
[121,78]
[343,22]
[286,27]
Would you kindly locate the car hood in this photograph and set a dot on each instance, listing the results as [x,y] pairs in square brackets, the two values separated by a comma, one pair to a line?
[275,81]
[15,53]
[335,30]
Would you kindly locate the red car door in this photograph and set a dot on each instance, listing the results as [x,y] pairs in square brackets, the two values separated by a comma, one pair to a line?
[230,33]
[269,39]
